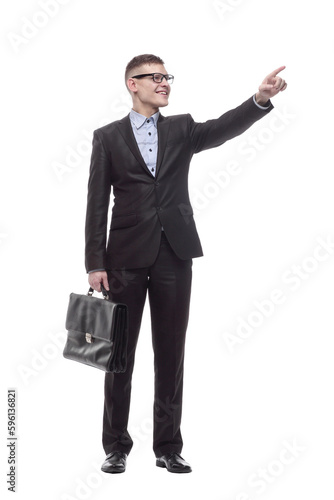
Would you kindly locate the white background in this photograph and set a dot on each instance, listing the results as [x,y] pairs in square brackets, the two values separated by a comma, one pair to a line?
[243,404]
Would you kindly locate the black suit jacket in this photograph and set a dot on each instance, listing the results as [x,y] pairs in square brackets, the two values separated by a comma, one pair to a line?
[143,203]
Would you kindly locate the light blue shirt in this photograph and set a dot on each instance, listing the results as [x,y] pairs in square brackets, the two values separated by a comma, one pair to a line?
[146,134]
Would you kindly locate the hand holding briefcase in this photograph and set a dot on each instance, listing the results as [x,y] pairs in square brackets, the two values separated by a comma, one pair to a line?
[97,332]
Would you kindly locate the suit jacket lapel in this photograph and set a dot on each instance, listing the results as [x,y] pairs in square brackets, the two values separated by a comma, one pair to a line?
[125,129]
[163,130]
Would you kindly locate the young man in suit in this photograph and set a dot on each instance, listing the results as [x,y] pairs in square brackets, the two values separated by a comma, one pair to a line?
[152,240]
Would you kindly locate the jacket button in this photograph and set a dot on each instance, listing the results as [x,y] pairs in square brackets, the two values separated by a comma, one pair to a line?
[158,209]
[156,183]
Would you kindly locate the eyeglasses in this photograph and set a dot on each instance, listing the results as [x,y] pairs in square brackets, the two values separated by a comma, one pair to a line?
[157,77]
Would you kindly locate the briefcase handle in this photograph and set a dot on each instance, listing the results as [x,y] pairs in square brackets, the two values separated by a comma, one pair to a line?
[104,292]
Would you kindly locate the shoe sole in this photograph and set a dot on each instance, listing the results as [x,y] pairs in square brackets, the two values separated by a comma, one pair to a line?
[111,471]
[158,463]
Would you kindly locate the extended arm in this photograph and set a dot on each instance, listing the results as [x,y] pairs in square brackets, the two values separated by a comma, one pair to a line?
[215,132]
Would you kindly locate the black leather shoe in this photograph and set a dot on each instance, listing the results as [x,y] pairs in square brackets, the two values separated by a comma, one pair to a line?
[173,462]
[115,462]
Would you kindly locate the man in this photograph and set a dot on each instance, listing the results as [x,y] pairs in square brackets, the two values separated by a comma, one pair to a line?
[145,157]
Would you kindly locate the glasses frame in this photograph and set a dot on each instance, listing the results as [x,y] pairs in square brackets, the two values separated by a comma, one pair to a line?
[167,77]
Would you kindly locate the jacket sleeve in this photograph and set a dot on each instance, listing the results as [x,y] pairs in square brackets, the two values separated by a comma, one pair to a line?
[213,133]
[99,187]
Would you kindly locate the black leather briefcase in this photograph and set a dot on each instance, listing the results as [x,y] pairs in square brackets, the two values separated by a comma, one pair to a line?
[97,332]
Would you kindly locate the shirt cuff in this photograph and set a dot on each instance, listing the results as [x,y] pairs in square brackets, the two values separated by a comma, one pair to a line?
[95,270]
[259,106]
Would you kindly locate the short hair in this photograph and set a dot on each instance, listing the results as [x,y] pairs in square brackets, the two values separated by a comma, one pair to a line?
[140,61]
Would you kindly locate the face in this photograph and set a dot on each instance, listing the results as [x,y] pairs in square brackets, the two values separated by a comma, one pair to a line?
[146,92]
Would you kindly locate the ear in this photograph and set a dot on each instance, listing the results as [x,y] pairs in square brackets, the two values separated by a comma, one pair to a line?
[132,85]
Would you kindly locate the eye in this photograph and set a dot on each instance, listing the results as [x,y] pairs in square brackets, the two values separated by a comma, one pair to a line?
[157,77]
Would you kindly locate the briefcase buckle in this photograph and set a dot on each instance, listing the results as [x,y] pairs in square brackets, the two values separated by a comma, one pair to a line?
[89,338]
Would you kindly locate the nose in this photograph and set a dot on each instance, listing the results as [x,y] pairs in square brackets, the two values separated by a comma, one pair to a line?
[164,82]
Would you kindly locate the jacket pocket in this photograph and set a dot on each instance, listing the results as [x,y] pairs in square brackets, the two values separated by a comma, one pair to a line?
[123,221]
[186,212]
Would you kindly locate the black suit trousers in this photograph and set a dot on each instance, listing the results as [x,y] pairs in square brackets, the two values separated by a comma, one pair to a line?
[168,284]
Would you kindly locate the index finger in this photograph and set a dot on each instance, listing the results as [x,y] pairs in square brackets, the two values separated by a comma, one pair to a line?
[274,73]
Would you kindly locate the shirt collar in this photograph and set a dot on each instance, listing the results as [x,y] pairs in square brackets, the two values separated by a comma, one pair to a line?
[138,120]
